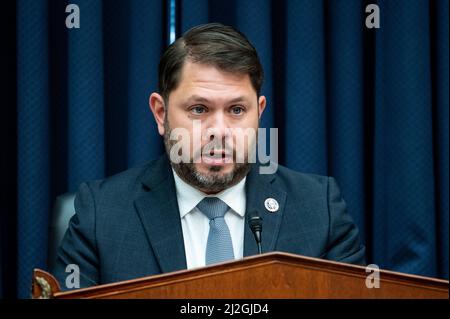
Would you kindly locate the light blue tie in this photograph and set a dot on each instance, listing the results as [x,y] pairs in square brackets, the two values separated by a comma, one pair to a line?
[219,247]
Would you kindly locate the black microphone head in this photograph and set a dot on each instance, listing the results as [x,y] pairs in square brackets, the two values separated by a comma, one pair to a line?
[255,224]
[254,221]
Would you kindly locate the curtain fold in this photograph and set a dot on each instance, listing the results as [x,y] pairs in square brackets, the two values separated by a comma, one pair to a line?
[86,126]
[33,173]
[346,105]
[257,26]
[145,50]
[405,210]
[440,80]
[367,106]
[305,117]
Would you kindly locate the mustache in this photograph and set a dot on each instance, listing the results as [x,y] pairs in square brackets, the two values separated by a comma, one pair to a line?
[216,151]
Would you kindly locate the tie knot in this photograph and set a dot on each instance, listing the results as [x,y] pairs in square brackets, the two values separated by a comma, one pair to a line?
[212,207]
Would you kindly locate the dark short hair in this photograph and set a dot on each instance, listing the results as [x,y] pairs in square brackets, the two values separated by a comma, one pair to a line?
[212,44]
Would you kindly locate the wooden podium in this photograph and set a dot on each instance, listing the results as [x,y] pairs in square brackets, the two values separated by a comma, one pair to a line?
[268,276]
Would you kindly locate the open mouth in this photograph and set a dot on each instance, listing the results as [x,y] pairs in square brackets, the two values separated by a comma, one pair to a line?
[218,157]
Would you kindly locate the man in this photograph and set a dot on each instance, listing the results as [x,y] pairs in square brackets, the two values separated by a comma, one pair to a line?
[173,214]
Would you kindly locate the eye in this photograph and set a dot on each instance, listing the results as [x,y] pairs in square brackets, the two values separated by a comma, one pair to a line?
[198,109]
[237,110]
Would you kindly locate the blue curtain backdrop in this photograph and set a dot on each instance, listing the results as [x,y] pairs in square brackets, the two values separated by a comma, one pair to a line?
[367,106]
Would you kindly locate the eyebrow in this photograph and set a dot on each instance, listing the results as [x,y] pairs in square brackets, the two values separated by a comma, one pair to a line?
[197,98]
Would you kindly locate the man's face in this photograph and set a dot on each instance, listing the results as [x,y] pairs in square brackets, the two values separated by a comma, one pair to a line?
[222,103]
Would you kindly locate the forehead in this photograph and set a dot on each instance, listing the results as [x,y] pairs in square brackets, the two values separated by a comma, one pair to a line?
[202,79]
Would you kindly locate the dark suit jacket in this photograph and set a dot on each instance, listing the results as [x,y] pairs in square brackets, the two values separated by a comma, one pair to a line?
[128,226]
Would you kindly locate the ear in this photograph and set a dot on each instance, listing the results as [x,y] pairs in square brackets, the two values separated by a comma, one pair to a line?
[261,105]
[158,109]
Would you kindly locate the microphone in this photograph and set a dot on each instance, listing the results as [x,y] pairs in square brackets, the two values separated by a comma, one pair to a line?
[255,223]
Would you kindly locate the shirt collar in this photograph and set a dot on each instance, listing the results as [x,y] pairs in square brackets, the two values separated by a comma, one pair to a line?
[188,196]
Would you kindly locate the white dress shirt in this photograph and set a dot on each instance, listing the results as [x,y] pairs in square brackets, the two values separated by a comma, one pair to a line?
[195,224]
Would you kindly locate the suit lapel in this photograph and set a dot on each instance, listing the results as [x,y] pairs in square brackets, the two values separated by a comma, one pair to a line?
[158,211]
[258,188]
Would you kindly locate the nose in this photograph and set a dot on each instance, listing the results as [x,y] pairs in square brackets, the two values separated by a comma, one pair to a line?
[217,127]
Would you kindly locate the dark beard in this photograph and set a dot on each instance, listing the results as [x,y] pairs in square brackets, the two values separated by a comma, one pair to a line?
[213,182]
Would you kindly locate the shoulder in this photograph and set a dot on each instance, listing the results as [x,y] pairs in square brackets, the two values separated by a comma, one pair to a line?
[292,180]
[119,186]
